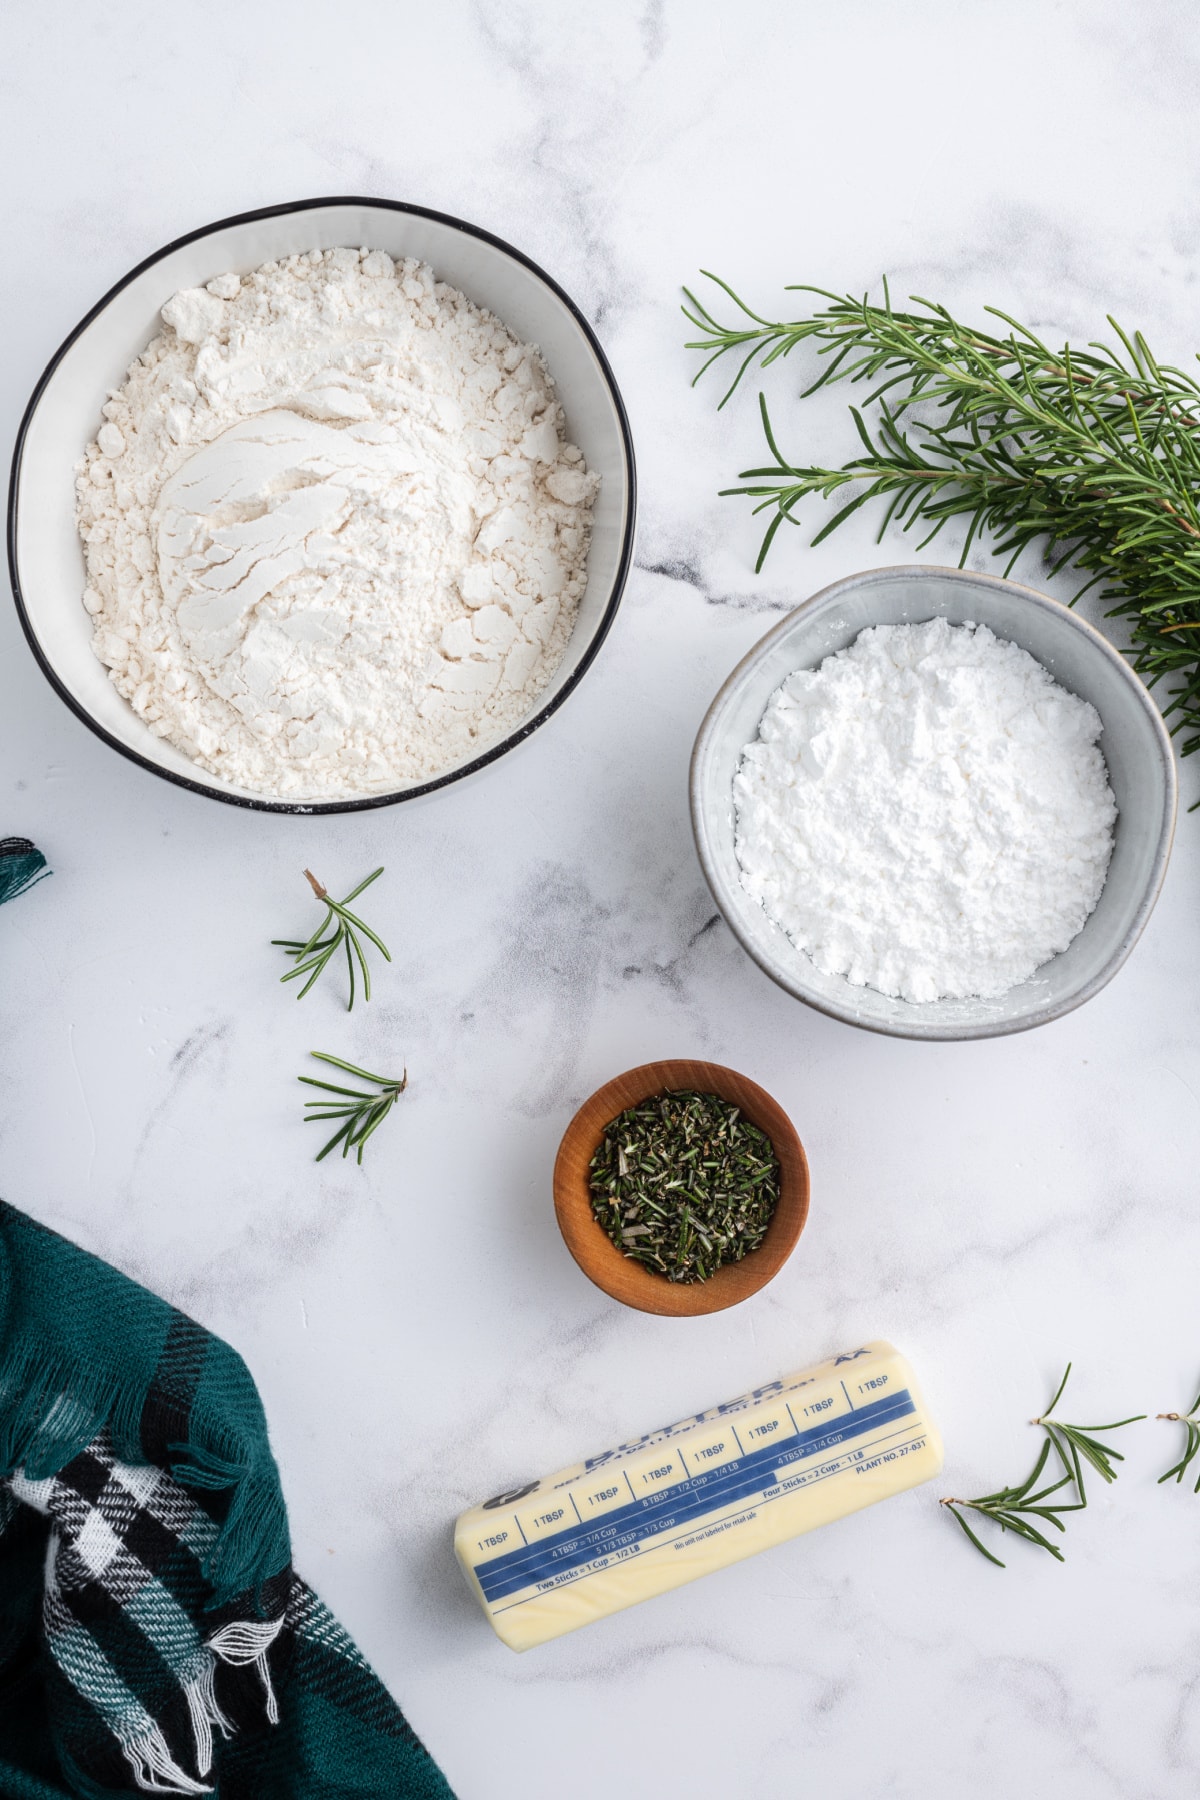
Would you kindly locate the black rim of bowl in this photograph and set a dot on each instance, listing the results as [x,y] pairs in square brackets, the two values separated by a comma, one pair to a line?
[366,802]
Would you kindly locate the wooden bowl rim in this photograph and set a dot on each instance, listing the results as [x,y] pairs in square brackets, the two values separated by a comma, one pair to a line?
[628,1281]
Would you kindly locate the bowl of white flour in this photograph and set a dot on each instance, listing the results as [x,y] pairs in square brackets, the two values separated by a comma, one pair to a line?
[935,804]
[323,507]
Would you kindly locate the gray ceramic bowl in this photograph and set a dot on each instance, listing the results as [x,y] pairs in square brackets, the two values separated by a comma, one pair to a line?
[1141,767]
[45,556]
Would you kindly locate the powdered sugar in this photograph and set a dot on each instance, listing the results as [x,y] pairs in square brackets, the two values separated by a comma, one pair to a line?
[335,540]
[927,814]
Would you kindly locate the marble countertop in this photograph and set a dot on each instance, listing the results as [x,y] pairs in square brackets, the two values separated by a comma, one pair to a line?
[418,1331]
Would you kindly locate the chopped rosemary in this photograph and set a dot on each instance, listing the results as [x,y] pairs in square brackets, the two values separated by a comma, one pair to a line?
[1190,1420]
[683,1184]
[1015,1508]
[362,1112]
[312,958]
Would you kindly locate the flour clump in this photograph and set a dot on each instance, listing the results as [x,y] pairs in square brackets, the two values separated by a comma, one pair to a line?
[928,813]
[335,538]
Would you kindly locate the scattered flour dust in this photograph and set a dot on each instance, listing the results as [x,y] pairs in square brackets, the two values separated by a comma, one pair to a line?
[335,541]
[927,814]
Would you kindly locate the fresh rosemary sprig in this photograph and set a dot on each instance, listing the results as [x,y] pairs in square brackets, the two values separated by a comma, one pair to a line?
[312,958]
[1093,454]
[1077,1444]
[1190,1420]
[362,1112]
[1013,1507]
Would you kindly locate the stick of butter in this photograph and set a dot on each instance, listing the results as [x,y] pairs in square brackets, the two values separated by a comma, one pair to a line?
[691,1497]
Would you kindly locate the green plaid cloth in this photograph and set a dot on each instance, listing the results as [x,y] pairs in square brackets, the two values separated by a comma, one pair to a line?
[154,1637]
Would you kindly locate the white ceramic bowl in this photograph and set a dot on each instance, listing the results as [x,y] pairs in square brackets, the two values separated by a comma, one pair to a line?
[1141,768]
[45,555]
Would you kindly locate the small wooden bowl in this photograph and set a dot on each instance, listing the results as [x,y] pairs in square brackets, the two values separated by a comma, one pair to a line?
[630,1282]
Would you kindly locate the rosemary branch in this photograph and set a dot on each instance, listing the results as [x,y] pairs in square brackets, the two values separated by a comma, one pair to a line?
[1077,1444]
[1014,1508]
[363,1112]
[1190,1420]
[1091,454]
[312,958]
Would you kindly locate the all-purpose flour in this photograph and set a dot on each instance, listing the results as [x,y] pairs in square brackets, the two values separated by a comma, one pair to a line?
[928,813]
[335,540]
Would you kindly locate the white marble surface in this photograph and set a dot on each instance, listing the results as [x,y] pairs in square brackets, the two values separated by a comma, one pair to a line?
[418,1331]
